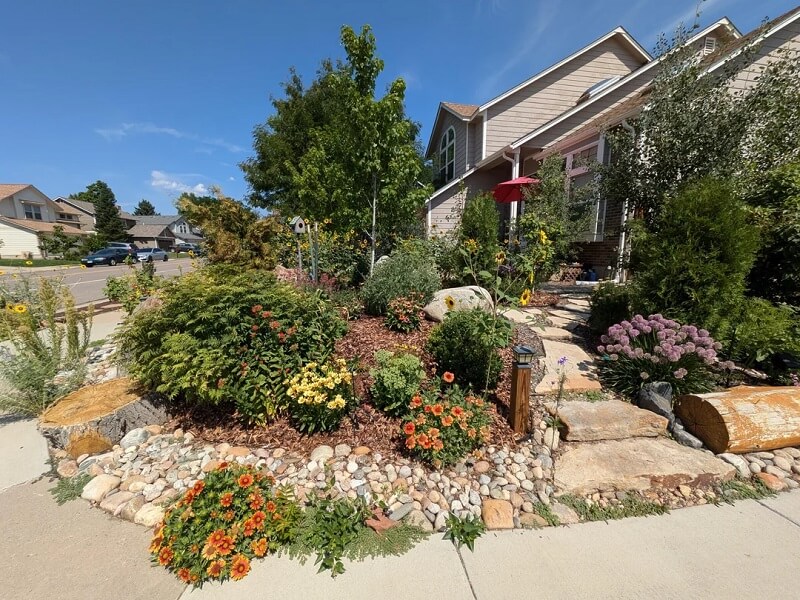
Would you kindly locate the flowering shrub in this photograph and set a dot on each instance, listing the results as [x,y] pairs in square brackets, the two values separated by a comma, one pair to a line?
[320,396]
[222,523]
[407,271]
[404,314]
[395,381]
[129,290]
[658,349]
[443,426]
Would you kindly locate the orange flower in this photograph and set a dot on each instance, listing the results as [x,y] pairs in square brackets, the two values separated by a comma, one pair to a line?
[471,432]
[421,420]
[411,442]
[270,506]
[249,528]
[409,428]
[155,545]
[216,537]
[259,547]
[416,401]
[198,487]
[437,409]
[228,516]
[437,445]
[165,556]
[276,516]
[258,519]
[433,432]
[240,566]
[215,568]
[225,546]
[457,411]
[222,465]
[427,408]
[448,377]
[245,480]
[423,440]
[256,309]
[447,420]
[226,500]
[209,551]
[188,498]
[184,575]
[257,502]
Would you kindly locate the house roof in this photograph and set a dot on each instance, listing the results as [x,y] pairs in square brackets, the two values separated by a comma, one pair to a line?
[163,220]
[67,209]
[189,237]
[9,189]
[625,80]
[86,208]
[141,230]
[41,226]
[465,111]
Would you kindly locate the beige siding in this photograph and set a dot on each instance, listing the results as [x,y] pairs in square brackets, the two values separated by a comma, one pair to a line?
[448,120]
[446,207]
[555,93]
[787,39]
[18,243]
[475,141]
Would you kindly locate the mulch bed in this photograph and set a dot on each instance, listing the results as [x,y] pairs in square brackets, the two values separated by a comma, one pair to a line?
[366,426]
[539,298]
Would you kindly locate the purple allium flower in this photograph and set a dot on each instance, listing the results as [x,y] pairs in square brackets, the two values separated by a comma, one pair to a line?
[717,346]
[615,357]
[680,373]
[601,349]
[703,333]
[634,333]
[644,375]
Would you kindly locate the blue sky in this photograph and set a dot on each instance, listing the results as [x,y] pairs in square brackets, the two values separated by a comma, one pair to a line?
[160,97]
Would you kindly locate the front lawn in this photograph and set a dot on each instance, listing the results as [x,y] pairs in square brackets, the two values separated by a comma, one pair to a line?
[36,262]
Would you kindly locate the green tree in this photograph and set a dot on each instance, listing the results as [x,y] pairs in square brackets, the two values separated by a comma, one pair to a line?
[145,208]
[58,243]
[352,157]
[108,224]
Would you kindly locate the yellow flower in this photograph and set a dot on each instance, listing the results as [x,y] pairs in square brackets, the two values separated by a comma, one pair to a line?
[500,257]
[2,272]
[29,262]
[449,302]
[525,298]
[83,266]
[542,236]
[471,245]
[20,308]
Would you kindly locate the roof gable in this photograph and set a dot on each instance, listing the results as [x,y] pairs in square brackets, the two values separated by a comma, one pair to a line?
[83,206]
[9,189]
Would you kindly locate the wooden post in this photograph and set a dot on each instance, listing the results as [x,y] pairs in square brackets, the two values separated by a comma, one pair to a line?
[520,397]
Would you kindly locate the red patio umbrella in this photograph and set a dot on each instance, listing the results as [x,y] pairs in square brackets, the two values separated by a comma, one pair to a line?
[511,191]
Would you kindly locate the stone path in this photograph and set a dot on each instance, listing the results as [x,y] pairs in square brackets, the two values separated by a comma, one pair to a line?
[555,326]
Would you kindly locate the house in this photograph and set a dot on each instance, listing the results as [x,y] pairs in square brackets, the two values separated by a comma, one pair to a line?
[565,109]
[174,229]
[84,209]
[27,215]
[152,236]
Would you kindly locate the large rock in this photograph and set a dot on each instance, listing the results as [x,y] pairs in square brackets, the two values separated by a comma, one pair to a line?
[149,515]
[637,464]
[99,487]
[742,466]
[497,514]
[608,420]
[464,298]
[134,437]
[657,397]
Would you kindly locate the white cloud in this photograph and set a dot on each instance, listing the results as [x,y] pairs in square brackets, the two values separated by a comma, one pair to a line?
[126,129]
[231,178]
[175,182]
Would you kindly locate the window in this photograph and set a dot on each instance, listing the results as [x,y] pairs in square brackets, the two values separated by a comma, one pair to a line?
[33,211]
[709,44]
[447,156]
[577,165]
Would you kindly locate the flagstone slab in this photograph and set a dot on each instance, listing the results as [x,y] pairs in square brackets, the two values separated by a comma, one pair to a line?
[607,420]
[579,368]
[572,315]
[636,464]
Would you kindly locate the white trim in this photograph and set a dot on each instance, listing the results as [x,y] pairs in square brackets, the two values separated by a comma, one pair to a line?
[625,80]
[436,123]
[618,31]
[466,146]
[446,187]
[485,114]
[445,138]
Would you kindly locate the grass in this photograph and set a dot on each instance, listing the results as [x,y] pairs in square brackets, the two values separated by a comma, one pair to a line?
[97,343]
[742,489]
[632,506]
[70,488]
[544,511]
[36,262]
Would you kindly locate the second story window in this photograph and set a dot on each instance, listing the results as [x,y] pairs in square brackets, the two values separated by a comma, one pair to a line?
[33,211]
[447,155]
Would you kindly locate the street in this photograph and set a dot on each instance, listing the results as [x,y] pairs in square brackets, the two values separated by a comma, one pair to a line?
[87,284]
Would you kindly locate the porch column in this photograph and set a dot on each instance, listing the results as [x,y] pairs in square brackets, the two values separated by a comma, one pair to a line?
[514,209]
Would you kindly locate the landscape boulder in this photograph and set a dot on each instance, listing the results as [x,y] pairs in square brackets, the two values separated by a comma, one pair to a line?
[463,298]
[657,397]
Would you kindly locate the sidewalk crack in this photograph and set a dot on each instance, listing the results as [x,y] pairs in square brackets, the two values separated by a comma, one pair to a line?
[464,566]
[780,514]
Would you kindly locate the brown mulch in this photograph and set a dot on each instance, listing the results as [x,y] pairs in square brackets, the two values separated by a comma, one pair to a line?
[366,426]
[543,299]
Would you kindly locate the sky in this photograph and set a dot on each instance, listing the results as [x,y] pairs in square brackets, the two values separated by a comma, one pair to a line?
[160,97]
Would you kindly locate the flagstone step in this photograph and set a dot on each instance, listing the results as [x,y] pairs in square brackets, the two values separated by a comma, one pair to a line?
[579,368]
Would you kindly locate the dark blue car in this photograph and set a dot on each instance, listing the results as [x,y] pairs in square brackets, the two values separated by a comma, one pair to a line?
[107,256]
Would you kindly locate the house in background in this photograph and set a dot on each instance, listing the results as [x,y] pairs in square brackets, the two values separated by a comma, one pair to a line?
[26,215]
[85,210]
[565,110]
[173,229]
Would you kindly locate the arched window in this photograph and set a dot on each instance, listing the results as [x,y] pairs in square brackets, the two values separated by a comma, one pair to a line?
[447,155]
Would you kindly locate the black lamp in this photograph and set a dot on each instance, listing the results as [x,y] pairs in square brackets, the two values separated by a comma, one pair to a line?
[523,355]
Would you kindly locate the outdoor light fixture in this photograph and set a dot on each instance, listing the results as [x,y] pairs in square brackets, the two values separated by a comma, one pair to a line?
[523,355]
[520,388]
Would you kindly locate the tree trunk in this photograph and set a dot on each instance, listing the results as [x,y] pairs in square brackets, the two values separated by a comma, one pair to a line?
[94,418]
[743,419]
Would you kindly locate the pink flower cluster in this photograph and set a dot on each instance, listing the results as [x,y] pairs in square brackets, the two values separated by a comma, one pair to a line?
[660,340]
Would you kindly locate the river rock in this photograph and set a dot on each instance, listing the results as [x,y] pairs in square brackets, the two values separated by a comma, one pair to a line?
[134,437]
[99,487]
[322,453]
[497,514]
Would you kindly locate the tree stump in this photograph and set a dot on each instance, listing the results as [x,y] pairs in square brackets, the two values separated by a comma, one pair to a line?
[743,419]
[94,418]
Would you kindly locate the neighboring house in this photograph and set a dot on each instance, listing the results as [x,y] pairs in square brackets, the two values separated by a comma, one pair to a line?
[565,109]
[84,209]
[152,236]
[180,230]
[26,215]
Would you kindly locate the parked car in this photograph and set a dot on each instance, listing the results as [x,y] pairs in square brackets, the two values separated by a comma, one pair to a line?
[195,249]
[151,254]
[107,256]
[131,248]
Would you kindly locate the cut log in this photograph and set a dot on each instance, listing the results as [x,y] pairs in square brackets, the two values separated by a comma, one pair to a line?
[94,418]
[743,419]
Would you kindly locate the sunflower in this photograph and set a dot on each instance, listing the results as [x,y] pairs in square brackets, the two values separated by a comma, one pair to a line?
[216,537]
[29,262]
[270,506]
[240,566]
[449,302]
[215,568]
[209,552]
[2,272]
[20,309]
[83,266]
[500,257]
[448,377]
[525,298]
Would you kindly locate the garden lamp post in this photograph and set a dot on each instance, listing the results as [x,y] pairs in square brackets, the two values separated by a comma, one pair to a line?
[520,388]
